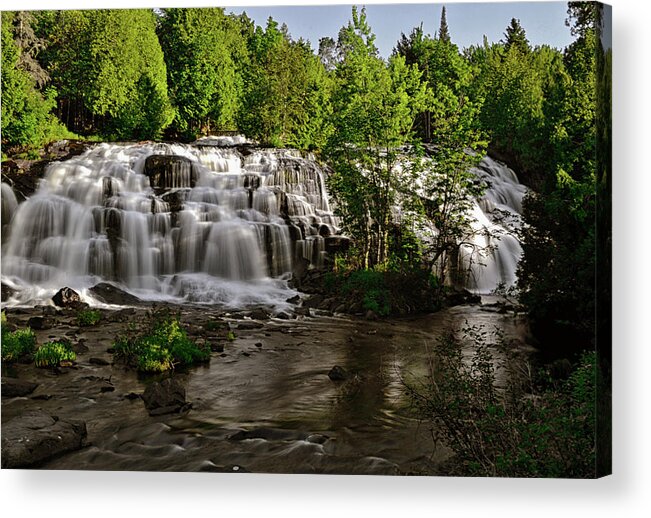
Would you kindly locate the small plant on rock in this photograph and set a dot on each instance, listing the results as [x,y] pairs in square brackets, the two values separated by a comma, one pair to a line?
[16,344]
[161,347]
[53,354]
[88,317]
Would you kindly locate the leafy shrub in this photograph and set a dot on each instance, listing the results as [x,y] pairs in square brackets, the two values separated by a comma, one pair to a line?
[164,345]
[17,344]
[88,317]
[517,430]
[52,354]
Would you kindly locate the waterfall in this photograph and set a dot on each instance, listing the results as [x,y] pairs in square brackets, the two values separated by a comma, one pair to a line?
[204,222]
[217,221]
[491,256]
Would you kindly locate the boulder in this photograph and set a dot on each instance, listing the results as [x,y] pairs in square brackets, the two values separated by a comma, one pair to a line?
[338,373]
[36,437]
[166,397]
[259,314]
[7,292]
[66,297]
[40,323]
[314,301]
[110,294]
[12,387]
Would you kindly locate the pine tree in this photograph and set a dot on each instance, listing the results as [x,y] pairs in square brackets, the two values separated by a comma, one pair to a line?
[515,37]
[444,33]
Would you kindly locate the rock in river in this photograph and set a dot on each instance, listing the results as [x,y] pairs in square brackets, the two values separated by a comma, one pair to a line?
[66,297]
[35,437]
[165,397]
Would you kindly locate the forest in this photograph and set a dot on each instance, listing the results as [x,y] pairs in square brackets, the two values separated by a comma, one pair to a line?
[180,74]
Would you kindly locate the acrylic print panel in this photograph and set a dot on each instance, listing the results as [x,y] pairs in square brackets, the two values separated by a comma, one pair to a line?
[308,239]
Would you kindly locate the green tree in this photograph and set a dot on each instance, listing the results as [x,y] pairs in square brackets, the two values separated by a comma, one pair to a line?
[27,119]
[108,68]
[374,105]
[444,33]
[515,37]
[287,91]
[205,53]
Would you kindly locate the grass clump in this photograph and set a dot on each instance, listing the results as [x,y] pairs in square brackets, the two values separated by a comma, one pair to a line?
[88,317]
[161,347]
[53,354]
[16,344]
[515,425]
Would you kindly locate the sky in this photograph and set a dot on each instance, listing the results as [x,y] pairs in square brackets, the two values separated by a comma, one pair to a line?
[544,22]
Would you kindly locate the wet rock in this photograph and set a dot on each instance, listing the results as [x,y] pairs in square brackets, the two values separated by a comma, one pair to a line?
[313,302]
[170,171]
[66,297]
[338,373]
[49,311]
[341,308]
[283,315]
[40,323]
[249,324]
[269,434]
[12,387]
[217,347]
[316,438]
[98,361]
[259,314]
[110,294]
[80,347]
[258,344]
[371,315]
[461,296]
[166,397]
[294,300]
[7,292]
[35,437]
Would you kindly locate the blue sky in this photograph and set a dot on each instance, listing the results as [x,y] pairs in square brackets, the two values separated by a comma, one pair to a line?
[468,22]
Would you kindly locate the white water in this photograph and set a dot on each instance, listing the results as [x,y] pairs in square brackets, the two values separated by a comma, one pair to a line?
[491,258]
[214,227]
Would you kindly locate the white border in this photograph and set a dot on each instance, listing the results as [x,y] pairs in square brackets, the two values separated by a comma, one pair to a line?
[627,493]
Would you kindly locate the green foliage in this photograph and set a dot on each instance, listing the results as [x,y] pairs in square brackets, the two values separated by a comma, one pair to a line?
[88,317]
[16,344]
[53,354]
[287,91]
[374,107]
[205,53]
[163,345]
[230,336]
[116,51]
[27,119]
[518,429]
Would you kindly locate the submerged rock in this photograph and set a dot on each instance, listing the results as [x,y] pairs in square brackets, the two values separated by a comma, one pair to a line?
[12,387]
[166,397]
[35,437]
[338,373]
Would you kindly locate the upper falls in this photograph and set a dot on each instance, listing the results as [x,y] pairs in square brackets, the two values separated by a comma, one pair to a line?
[204,223]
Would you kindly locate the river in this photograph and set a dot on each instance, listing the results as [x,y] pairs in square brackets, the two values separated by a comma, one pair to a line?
[269,407]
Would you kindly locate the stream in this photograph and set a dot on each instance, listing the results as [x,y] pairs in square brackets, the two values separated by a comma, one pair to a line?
[269,407]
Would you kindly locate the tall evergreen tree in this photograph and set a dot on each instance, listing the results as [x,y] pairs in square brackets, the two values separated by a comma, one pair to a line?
[444,33]
[515,37]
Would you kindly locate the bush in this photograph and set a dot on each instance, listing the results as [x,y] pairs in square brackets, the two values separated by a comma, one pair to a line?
[17,344]
[88,317]
[164,345]
[517,430]
[53,354]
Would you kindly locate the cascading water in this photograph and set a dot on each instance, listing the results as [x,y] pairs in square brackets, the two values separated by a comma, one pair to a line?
[491,256]
[207,224]
[199,223]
